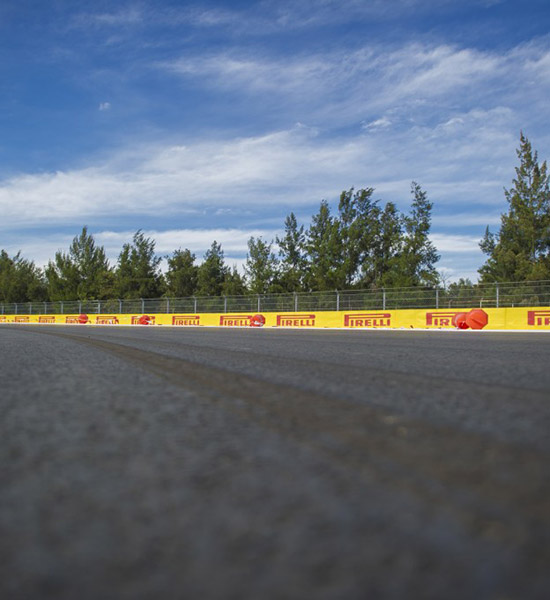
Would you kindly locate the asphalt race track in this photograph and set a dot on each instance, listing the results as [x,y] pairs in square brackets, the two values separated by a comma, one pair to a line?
[180,463]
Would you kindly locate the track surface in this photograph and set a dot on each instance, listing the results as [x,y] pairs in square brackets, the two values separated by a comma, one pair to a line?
[206,463]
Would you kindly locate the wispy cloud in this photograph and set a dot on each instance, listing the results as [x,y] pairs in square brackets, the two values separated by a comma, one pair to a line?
[283,15]
[294,168]
[455,243]
[414,81]
[381,123]
[131,15]
[467,220]
[257,19]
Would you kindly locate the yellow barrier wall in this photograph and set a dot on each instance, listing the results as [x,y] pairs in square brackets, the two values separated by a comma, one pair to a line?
[530,319]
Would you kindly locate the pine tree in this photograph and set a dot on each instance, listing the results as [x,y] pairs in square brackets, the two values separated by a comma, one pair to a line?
[324,251]
[260,267]
[387,247]
[181,276]
[349,238]
[233,283]
[359,229]
[81,274]
[20,280]
[124,275]
[521,249]
[415,265]
[292,264]
[212,272]
[138,273]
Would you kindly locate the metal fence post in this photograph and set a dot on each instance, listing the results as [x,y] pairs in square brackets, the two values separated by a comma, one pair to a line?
[142,305]
[337,300]
[383,299]
[120,306]
[79,306]
[195,304]
[225,304]
[167,305]
[295,302]
[259,303]
[98,307]
[497,294]
[437,297]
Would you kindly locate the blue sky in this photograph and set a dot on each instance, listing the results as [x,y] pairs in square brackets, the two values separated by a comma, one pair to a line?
[197,121]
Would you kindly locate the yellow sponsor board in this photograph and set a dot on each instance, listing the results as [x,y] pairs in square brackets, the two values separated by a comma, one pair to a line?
[526,319]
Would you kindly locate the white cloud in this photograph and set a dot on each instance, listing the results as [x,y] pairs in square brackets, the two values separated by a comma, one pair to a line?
[255,175]
[277,15]
[256,20]
[460,256]
[381,123]
[467,220]
[455,243]
[410,84]
[104,106]
[120,18]
[254,74]
[283,167]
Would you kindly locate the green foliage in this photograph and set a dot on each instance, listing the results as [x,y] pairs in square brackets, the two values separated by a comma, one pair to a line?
[233,283]
[137,274]
[82,274]
[260,267]
[385,259]
[181,277]
[520,251]
[358,226]
[292,258]
[361,245]
[461,292]
[415,263]
[212,272]
[20,280]
[324,249]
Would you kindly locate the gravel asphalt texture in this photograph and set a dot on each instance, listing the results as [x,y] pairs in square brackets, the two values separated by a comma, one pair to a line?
[182,463]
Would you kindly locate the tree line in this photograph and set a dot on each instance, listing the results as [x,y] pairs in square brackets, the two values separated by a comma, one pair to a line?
[362,244]
[358,244]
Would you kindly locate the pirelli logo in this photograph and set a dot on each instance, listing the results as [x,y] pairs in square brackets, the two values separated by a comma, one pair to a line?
[3,319]
[106,320]
[72,321]
[440,319]
[235,320]
[289,320]
[136,320]
[186,320]
[538,318]
[370,320]
[50,319]
[21,320]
